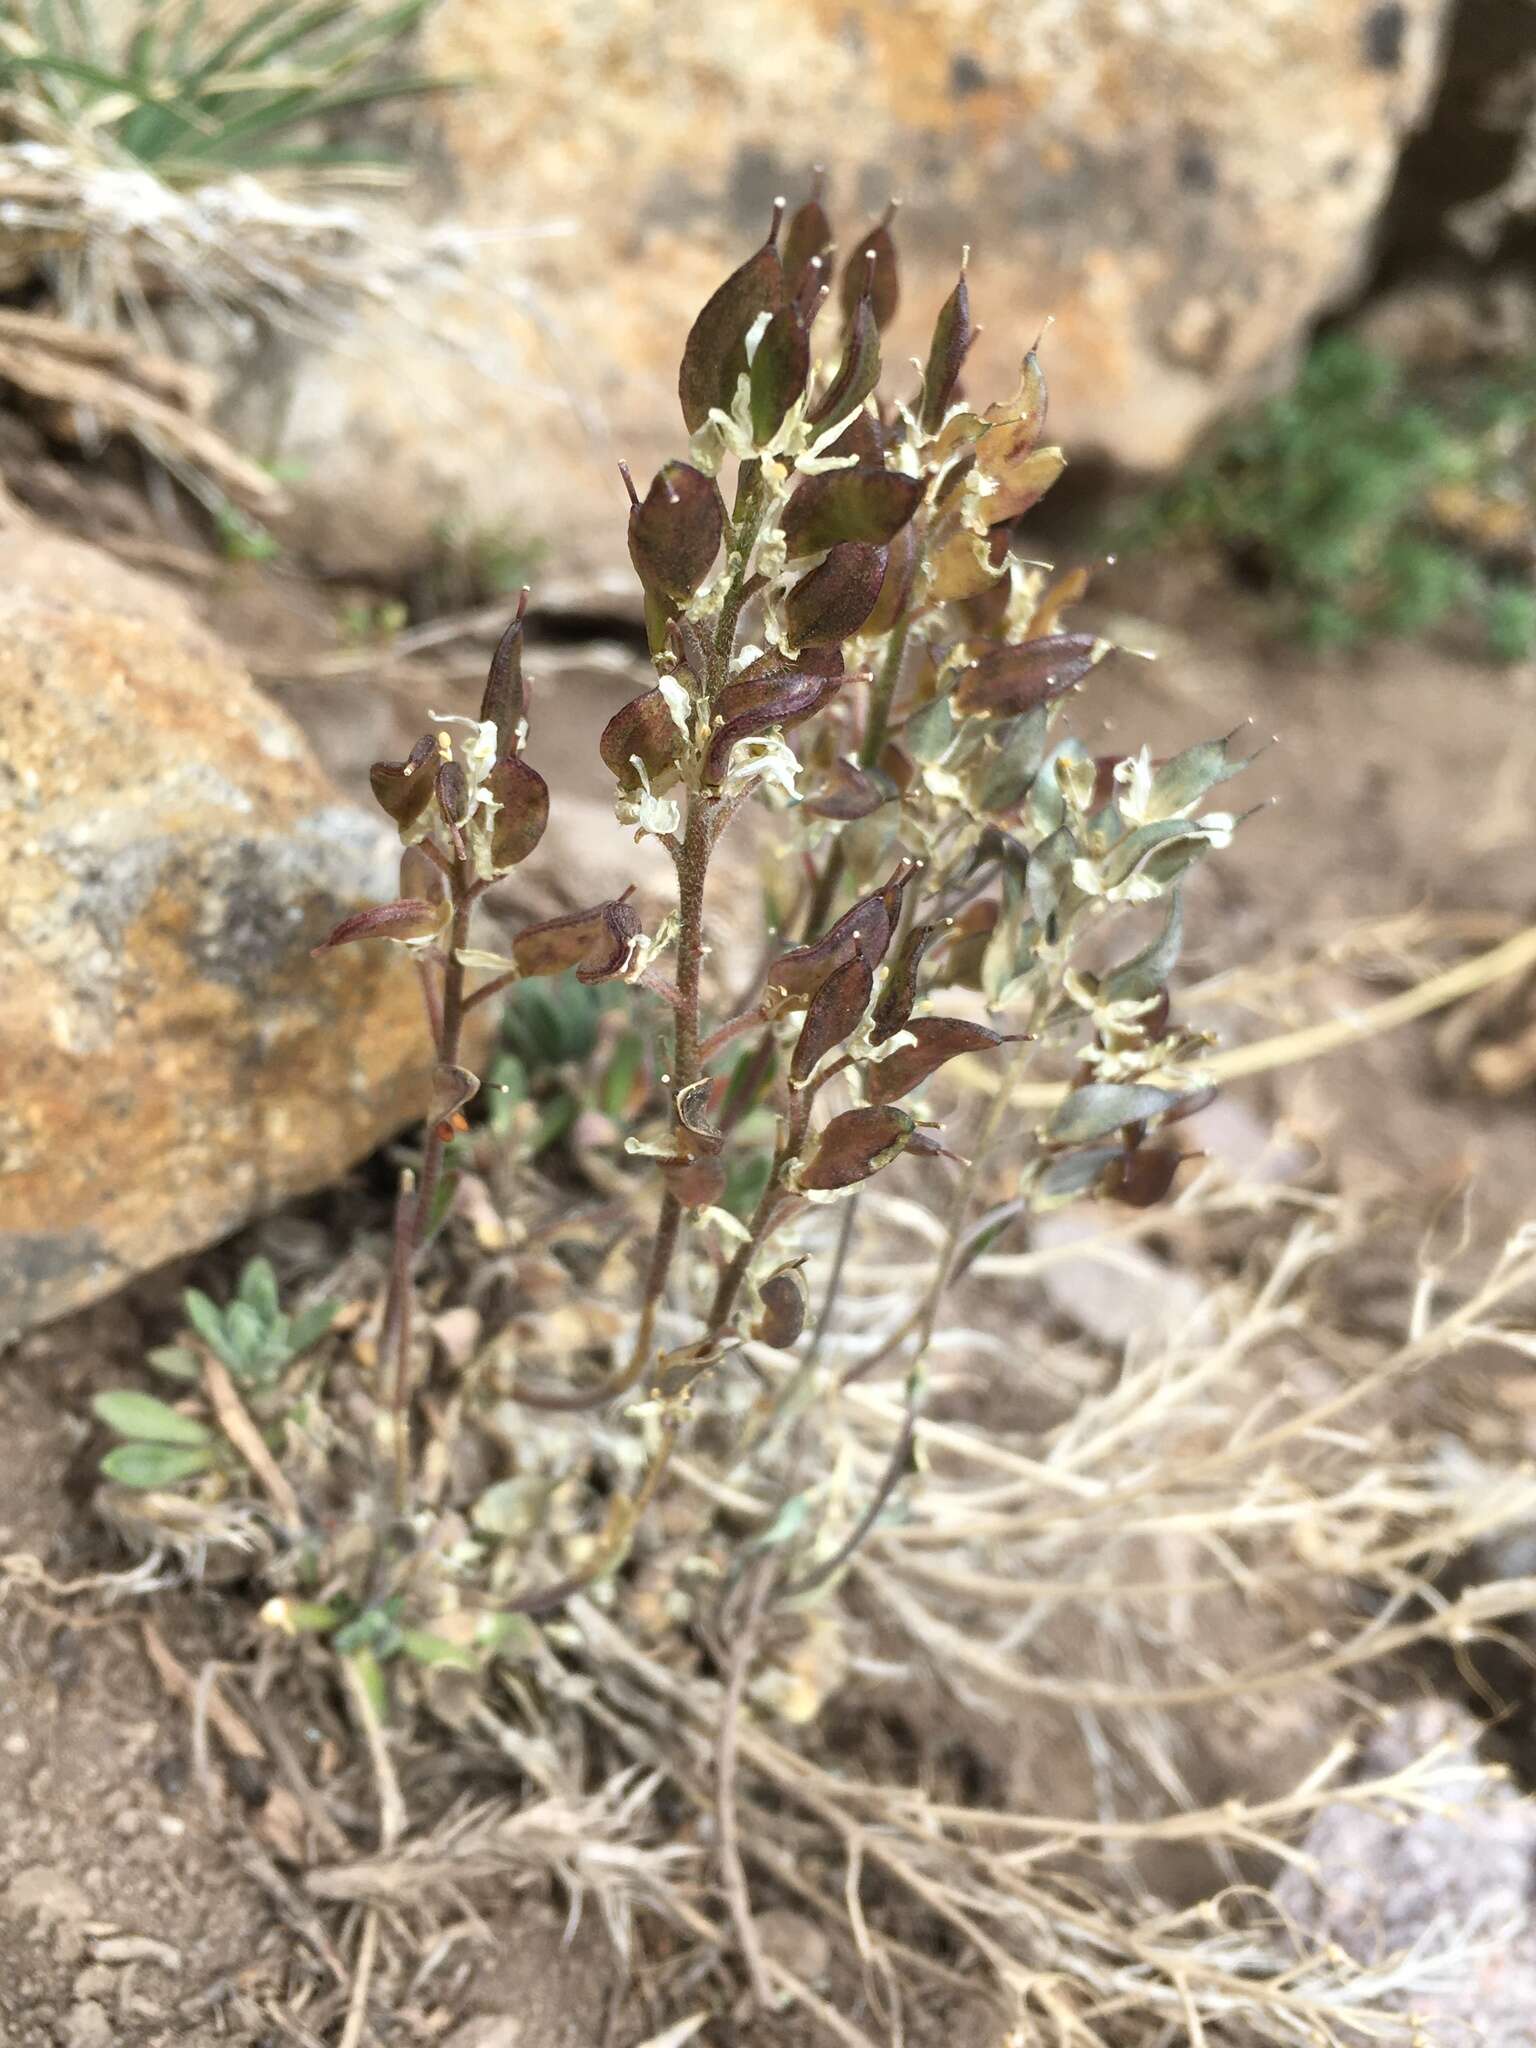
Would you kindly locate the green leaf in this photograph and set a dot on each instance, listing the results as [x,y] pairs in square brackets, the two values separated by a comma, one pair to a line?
[1185,779]
[247,1335]
[509,1635]
[208,1321]
[1010,772]
[422,1647]
[374,1629]
[1104,1107]
[442,1202]
[369,1673]
[620,1075]
[1147,971]
[258,1289]
[150,1465]
[555,1122]
[310,1325]
[786,1525]
[1070,1178]
[133,1414]
[929,730]
[174,1360]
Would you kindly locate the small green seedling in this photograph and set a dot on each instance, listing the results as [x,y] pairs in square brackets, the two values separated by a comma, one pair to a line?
[252,1336]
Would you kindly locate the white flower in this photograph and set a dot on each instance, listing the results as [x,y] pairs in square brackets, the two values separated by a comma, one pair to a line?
[762,759]
[644,952]
[479,750]
[643,809]
[678,702]
[1134,776]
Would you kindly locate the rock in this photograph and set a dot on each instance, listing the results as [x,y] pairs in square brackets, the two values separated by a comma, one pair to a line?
[86,2025]
[137,1948]
[1181,187]
[1459,1872]
[173,1060]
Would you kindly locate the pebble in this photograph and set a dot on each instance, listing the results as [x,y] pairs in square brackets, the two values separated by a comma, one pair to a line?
[137,1948]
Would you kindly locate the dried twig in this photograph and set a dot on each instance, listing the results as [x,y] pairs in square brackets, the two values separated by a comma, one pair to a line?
[235,1420]
[733,1877]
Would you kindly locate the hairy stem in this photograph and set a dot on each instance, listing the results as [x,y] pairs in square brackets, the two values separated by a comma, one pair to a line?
[899,1461]
[415,1211]
[881,695]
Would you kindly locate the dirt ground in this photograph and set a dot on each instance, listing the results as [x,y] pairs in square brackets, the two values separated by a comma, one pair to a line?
[131,1912]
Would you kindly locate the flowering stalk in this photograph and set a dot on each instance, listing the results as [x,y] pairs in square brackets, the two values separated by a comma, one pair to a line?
[855,645]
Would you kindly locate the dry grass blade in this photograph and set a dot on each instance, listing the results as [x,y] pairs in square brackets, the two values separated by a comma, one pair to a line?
[117,399]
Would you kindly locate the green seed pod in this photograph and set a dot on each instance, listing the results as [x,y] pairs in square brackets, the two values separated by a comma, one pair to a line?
[715,353]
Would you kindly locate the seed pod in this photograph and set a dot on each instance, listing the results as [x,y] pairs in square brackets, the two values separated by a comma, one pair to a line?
[793,697]
[1141,1178]
[952,338]
[923,1144]
[969,938]
[518,826]
[964,567]
[1065,591]
[595,942]
[865,929]
[715,353]
[807,236]
[867,503]
[855,1145]
[857,373]
[674,533]
[896,584]
[832,602]
[1028,406]
[1020,483]
[877,280]
[864,437]
[1016,679]
[899,991]
[832,1016]
[421,877]
[409,918]
[403,789]
[938,1039]
[452,794]
[785,1298]
[696,1183]
[505,703]
[693,1107]
[452,1087]
[644,730]
[781,368]
[849,792]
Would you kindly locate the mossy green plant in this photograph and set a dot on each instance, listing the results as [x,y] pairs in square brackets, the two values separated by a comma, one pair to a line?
[1370,509]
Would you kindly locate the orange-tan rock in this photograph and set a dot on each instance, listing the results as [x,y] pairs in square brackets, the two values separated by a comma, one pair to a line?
[172,1061]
